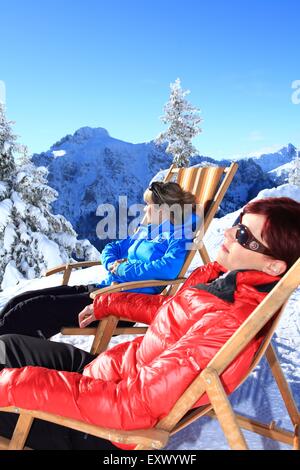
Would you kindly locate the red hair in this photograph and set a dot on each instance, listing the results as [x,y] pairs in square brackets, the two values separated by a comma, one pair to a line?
[282,227]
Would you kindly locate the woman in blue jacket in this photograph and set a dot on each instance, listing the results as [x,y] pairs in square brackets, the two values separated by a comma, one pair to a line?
[156,251]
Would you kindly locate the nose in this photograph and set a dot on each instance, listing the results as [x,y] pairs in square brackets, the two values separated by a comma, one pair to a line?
[230,233]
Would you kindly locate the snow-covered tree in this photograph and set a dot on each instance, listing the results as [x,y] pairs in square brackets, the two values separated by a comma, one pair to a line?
[32,239]
[7,147]
[183,120]
[294,175]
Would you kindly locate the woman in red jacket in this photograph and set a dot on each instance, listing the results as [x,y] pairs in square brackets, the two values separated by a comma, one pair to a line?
[136,383]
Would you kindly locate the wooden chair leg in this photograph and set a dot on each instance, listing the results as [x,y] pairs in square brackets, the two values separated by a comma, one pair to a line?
[283,385]
[67,275]
[223,410]
[21,432]
[296,441]
[103,334]
[4,443]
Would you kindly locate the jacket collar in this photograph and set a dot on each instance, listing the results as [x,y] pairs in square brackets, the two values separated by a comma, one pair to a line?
[224,287]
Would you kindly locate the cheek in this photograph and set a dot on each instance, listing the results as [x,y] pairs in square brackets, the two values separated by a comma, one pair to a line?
[237,256]
[241,258]
[154,213]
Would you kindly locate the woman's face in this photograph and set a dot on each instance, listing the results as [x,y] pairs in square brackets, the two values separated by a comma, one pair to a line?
[154,214]
[233,256]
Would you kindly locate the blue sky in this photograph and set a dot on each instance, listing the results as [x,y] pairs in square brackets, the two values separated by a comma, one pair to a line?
[73,63]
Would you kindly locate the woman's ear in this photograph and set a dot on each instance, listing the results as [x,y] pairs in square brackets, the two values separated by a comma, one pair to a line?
[275,267]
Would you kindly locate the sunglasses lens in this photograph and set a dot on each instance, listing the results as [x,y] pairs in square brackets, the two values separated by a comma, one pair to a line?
[242,235]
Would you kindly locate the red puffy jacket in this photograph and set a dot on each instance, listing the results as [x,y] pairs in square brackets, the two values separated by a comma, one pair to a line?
[136,383]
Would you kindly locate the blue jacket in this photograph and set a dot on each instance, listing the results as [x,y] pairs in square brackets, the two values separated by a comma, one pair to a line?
[153,252]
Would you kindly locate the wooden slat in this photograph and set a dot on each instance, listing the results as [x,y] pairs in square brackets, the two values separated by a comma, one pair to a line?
[103,334]
[72,331]
[201,181]
[190,417]
[129,330]
[223,410]
[4,443]
[152,438]
[218,197]
[270,431]
[67,275]
[136,285]
[80,264]
[296,440]
[21,432]
[283,385]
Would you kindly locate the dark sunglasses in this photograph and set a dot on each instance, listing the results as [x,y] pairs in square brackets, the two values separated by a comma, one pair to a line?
[245,238]
[155,188]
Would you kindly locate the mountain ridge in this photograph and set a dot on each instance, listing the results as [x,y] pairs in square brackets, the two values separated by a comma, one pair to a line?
[90,168]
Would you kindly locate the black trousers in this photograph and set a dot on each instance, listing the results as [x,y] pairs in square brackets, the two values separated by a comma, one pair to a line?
[23,351]
[42,313]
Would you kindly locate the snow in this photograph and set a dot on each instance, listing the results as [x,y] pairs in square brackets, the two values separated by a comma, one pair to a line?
[11,275]
[258,397]
[9,237]
[5,212]
[40,220]
[287,190]
[47,249]
[19,204]
[20,176]
[58,153]
[269,161]
[83,276]
[3,188]
[282,169]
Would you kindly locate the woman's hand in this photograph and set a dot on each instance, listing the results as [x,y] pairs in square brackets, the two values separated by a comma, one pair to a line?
[114,266]
[86,316]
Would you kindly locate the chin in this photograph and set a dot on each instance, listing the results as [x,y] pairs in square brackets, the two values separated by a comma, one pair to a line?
[220,258]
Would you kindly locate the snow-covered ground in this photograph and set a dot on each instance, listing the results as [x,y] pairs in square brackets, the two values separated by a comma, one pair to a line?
[258,397]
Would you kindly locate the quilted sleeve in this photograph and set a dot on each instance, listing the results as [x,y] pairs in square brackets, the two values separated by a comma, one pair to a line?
[137,307]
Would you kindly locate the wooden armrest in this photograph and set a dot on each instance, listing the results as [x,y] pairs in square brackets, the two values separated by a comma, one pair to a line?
[152,438]
[135,285]
[64,267]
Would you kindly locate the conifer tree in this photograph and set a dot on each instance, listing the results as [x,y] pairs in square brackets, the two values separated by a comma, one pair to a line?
[32,239]
[294,175]
[183,120]
[7,147]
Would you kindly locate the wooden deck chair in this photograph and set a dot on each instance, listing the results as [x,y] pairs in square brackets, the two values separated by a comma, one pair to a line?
[209,185]
[266,315]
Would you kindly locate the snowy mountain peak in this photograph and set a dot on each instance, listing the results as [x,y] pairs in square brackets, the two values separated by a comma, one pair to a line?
[94,168]
[86,133]
[81,136]
[270,161]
